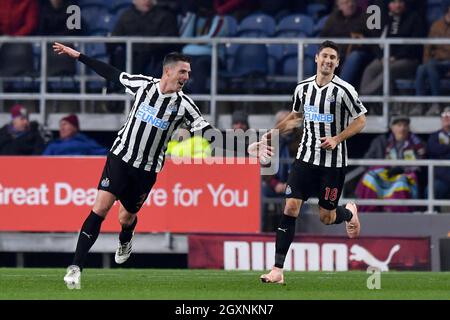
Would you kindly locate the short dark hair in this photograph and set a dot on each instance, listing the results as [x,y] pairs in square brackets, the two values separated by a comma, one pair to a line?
[328,44]
[175,57]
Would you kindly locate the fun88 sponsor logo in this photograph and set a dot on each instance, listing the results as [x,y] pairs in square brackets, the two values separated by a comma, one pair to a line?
[148,114]
[312,114]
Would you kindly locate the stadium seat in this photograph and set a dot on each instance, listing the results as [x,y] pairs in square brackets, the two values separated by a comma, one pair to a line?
[16,59]
[295,26]
[92,17]
[275,54]
[257,25]
[320,24]
[316,10]
[232,25]
[249,67]
[88,3]
[118,5]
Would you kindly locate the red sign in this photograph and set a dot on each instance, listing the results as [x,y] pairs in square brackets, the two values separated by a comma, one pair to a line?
[309,253]
[56,194]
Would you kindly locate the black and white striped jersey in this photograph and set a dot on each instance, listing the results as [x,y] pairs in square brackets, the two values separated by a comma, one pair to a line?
[142,140]
[327,111]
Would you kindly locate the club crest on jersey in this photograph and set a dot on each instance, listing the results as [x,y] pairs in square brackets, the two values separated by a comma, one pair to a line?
[172,108]
[331,98]
[147,113]
[105,183]
[288,190]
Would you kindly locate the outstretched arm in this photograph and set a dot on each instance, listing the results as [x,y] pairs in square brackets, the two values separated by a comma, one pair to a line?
[103,69]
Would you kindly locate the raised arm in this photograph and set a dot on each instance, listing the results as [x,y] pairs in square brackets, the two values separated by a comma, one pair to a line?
[103,69]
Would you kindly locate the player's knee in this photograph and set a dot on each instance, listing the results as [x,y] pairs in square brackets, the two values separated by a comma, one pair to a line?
[292,209]
[126,220]
[101,210]
[326,219]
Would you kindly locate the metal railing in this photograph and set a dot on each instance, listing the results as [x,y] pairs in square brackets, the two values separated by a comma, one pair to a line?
[430,202]
[213,97]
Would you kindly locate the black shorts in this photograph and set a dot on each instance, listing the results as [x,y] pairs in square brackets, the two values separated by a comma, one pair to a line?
[130,185]
[306,180]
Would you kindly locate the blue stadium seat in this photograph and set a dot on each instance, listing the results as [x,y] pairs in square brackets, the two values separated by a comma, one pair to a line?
[91,16]
[320,24]
[105,24]
[316,10]
[16,59]
[275,54]
[257,25]
[295,26]
[117,5]
[249,68]
[232,25]
[87,3]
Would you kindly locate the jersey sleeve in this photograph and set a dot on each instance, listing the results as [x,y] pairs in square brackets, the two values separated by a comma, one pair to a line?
[297,102]
[354,104]
[132,82]
[193,117]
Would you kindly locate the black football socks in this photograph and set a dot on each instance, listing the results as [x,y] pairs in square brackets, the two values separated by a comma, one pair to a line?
[87,237]
[342,214]
[285,236]
[127,232]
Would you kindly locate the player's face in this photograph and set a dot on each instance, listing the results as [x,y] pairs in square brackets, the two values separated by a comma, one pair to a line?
[177,75]
[327,61]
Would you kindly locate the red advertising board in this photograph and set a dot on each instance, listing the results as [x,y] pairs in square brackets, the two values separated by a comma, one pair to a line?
[309,253]
[56,194]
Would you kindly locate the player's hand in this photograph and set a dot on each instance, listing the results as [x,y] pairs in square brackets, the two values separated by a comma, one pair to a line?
[329,143]
[62,49]
[261,150]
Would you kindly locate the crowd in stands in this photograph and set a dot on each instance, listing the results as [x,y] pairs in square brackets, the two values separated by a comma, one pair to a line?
[26,138]
[361,65]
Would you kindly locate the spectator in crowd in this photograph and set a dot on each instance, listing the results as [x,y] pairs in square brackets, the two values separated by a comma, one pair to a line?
[349,21]
[52,22]
[274,186]
[438,147]
[185,145]
[238,8]
[20,136]
[436,61]
[53,18]
[239,125]
[402,23]
[239,120]
[72,142]
[17,18]
[395,182]
[204,24]
[145,18]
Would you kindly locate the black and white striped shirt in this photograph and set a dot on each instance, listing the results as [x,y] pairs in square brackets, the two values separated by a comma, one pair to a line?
[327,111]
[142,140]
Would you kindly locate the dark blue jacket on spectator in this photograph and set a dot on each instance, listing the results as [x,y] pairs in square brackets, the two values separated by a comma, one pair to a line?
[438,147]
[78,145]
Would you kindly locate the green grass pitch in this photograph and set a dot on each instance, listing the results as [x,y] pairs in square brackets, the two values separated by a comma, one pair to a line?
[185,284]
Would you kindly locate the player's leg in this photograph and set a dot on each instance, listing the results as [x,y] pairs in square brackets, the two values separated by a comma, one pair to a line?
[330,190]
[109,188]
[139,185]
[128,223]
[299,186]
[87,237]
